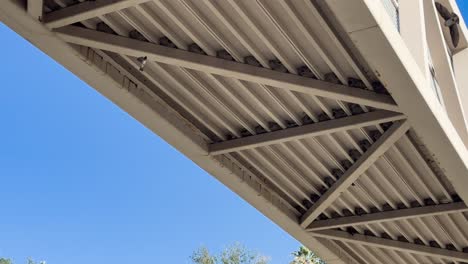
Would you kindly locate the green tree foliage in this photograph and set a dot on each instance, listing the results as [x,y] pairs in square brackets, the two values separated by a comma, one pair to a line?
[5,261]
[234,254]
[202,256]
[238,254]
[305,256]
[30,261]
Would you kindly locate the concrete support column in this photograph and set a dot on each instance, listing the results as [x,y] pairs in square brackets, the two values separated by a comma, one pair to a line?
[374,35]
[413,32]
[460,64]
[443,70]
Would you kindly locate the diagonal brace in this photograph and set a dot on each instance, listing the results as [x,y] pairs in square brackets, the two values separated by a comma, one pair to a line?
[86,10]
[386,141]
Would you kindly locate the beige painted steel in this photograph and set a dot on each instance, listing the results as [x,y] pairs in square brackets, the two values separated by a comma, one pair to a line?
[312,130]
[388,54]
[413,32]
[386,141]
[394,215]
[155,114]
[203,107]
[214,65]
[392,244]
[444,73]
[86,10]
[460,64]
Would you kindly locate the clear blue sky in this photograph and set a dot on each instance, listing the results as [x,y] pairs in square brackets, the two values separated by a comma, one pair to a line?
[83,182]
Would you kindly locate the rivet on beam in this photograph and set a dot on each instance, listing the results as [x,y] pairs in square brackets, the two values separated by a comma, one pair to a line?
[273,126]
[306,119]
[251,60]
[379,88]
[328,181]
[354,154]
[103,27]
[196,49]
[364,144]
[134,34]
[305,72]
[323,117]
[224,54]
[166,42]
[339,113]
[356,83]
[331,78]
[277,65]
[355,109]
[337,173]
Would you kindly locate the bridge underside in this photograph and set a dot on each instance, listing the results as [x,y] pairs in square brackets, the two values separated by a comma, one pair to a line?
[272,99]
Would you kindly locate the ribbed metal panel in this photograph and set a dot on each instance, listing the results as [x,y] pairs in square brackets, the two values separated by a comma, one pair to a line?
[226,108]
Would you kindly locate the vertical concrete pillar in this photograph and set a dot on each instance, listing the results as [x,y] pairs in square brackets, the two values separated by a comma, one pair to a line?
[413,32]
[460,65]
[443,68]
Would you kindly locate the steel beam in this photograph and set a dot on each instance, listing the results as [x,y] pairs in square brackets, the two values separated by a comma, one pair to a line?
[156,115]
[312,130]
[392,245]
[213,65]
[387,140]
[86,10]
[394,215]
[393,62]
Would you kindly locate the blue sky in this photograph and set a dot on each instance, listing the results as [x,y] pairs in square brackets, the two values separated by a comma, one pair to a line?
[463,5]
[83,182]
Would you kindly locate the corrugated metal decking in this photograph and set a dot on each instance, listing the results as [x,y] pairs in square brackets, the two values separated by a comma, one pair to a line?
[274,89]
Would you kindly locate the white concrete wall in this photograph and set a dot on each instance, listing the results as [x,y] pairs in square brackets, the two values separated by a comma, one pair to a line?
[422,34]
[383,48]
[413,32]
[460,65]
[443,68]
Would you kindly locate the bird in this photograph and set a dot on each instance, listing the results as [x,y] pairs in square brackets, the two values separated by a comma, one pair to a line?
[142,61]
[451,21]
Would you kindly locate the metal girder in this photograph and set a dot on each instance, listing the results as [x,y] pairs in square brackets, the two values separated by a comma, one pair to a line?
[312,130]
[392,245]
[86,10]
[156,115]
[222,67]
[387,140]
[389,56]
[388,216]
